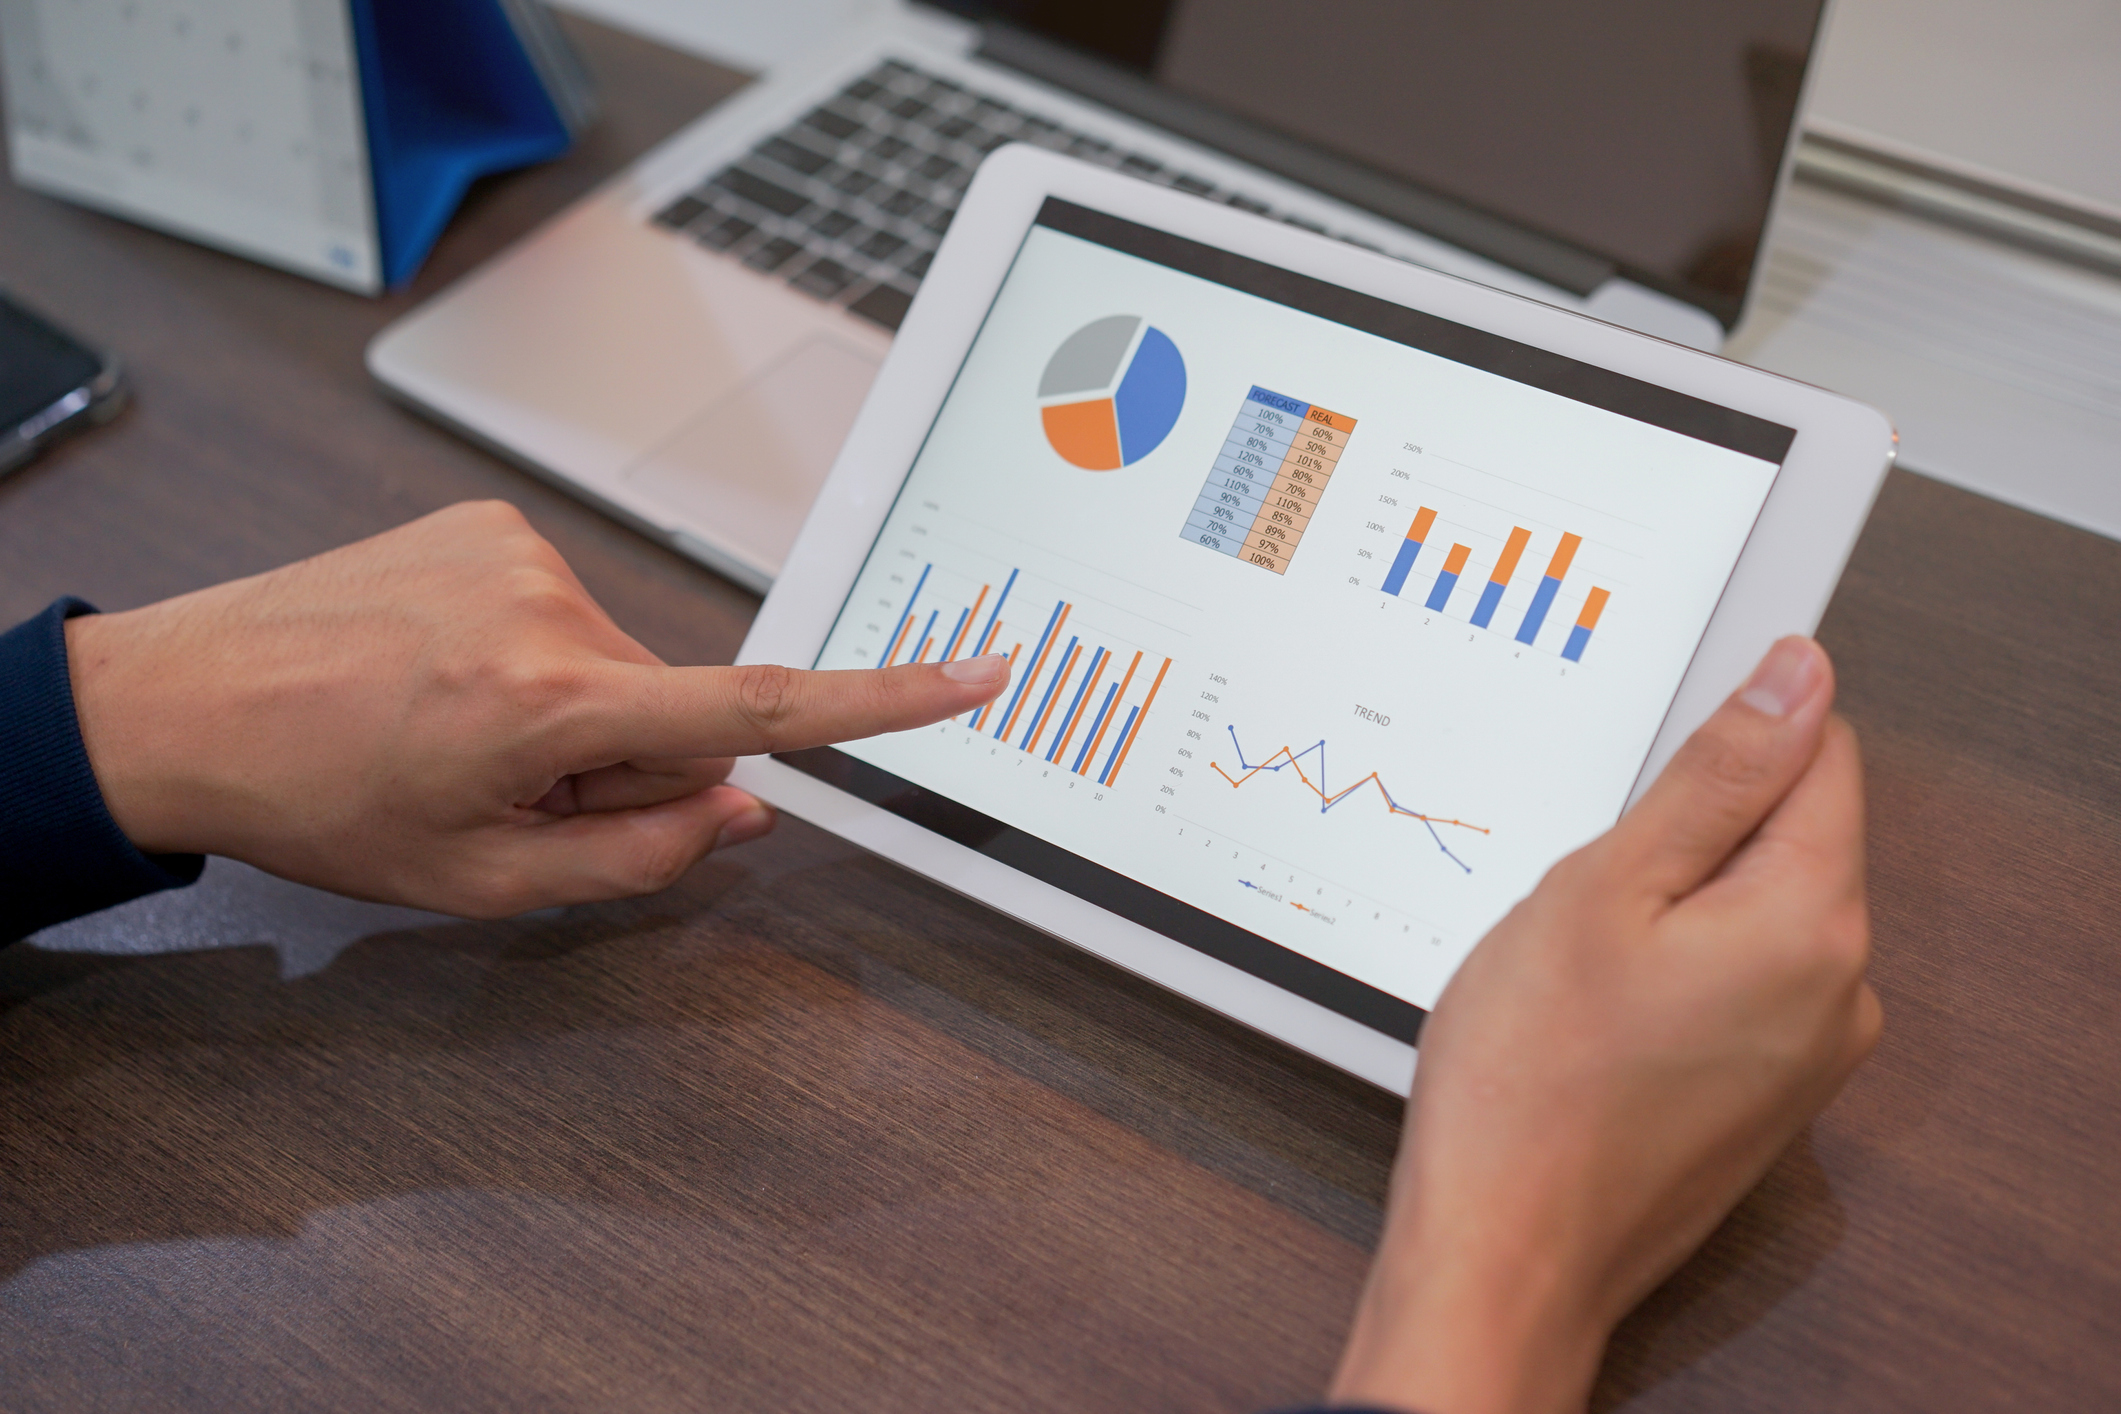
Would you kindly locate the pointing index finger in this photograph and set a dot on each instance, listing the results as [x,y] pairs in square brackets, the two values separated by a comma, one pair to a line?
[764,708]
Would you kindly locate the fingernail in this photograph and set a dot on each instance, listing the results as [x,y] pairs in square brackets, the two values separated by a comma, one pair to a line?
[987,668]
[746,827]
[1785,679]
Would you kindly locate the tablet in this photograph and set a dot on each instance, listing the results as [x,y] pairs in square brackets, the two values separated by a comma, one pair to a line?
[1342,598]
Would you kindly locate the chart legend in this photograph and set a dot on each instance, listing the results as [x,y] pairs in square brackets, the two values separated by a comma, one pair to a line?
[1273,468]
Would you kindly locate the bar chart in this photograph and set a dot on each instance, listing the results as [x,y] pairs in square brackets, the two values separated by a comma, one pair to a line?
[1077,697]
[1266,482]
[1444,589]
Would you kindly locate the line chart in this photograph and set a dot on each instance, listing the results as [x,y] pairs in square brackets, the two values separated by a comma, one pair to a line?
[1285,759]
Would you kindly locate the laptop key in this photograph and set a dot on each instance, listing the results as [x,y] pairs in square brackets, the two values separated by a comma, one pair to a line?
[938,168]
[823,278]
[1246,203]
[902,203]
[680,213]
[955,128]
[834,125]
[833,224]
[918,265]
[885,305]
[724,234]
[795,156]
[1194,185]
[882,245]
[854,182]
[889,147]
[773,254]
[757,190]
[908,108]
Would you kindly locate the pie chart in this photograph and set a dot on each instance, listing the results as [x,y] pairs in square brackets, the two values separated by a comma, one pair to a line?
[1112,392]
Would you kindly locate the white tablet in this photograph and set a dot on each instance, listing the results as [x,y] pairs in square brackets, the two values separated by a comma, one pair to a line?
[1342,597]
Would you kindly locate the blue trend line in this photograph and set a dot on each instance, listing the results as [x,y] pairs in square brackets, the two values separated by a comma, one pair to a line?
[909,614]
[1328,800]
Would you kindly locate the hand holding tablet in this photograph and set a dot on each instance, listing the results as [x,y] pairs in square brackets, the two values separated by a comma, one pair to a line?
[1341,598]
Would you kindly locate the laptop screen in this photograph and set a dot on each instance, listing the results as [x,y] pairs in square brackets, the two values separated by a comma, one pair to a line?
[1649,132]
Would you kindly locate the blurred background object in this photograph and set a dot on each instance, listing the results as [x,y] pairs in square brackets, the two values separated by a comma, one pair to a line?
[333,138]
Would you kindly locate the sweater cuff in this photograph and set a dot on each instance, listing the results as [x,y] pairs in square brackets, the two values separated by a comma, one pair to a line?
[61,853]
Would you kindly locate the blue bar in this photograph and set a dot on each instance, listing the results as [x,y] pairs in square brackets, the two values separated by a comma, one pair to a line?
[1401,563]
[1441,594]
[1023,679]
[1068,716]
[1052,686]
[1578,637]
[962,615]
[926,630]
[1485,610]
[1534,617]
[909,614]
[991,618]
[1279,403]
[1132,713]
[1091,735]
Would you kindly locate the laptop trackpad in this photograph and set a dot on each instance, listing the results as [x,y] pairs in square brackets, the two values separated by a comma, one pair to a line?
[744,472]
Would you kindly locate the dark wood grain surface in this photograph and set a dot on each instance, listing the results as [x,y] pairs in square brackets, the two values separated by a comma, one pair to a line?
[806,1132]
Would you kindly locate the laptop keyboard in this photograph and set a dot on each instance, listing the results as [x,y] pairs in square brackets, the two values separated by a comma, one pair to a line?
[849,203]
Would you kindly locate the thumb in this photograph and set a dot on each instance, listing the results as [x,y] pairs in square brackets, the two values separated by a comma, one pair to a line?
[1730,774]
[645,711]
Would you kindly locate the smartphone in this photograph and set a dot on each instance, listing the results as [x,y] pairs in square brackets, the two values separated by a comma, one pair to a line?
[51,384]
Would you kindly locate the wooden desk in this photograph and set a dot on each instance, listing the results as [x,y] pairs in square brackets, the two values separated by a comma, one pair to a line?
[805,1132]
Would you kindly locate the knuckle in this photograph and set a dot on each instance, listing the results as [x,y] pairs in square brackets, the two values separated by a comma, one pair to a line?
[658,865]
[766,697]
[1728,763]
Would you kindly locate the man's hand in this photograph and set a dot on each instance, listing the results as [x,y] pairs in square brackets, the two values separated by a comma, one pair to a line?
[1622,1058]
[441,716]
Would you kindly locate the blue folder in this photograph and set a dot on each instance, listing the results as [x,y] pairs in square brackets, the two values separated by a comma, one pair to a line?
[454,90]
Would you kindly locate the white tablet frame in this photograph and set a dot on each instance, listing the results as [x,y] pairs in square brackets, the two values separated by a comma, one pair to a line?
[1781,584]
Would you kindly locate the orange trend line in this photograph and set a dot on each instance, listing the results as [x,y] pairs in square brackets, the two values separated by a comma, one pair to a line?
[1373,778]
[959,641]
[1036,668]
[1135,735]
[1054,700]
[1090,756]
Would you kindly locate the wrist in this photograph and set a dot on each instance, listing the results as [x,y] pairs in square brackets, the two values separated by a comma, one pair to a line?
[1459,1326]
[117,721]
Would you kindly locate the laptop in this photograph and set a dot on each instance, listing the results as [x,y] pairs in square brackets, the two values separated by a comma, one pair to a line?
[686,347]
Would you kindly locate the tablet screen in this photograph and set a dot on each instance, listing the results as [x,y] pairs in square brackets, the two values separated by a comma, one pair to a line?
[1332,624]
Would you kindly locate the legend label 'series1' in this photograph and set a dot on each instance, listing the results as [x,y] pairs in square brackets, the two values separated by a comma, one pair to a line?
[1259,498]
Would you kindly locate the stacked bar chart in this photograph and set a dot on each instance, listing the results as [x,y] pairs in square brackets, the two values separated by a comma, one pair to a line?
[1074,693]
[1423,530]
[1580,635]
[1263,488]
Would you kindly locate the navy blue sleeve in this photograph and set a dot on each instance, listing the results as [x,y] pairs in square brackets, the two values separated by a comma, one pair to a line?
[61,854]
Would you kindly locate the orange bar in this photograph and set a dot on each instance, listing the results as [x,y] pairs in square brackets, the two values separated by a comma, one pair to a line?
[1083,709]
[1037,668]
[899,642]
[1139,720]
[1060,686]
[1512,551]
[1564,556]
[1090,756]
[922,656]
[992,629]
[1592,608]
[979,723]
[958,641]
[1419,531]
[1456,560]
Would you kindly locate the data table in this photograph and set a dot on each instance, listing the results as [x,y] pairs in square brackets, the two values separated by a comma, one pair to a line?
[1259,497]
